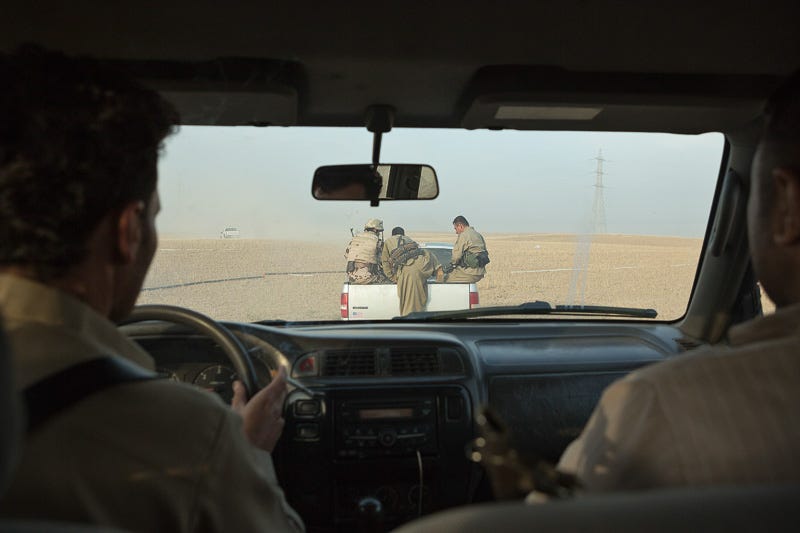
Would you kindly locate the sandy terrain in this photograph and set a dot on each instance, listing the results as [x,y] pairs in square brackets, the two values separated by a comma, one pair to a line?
[302,281]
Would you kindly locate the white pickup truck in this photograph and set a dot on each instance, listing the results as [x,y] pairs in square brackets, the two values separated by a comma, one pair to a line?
[380,301]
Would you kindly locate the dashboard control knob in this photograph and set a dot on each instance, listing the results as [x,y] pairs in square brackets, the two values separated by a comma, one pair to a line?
[387,437]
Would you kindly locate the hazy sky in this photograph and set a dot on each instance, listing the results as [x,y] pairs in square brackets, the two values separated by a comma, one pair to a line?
[259,180]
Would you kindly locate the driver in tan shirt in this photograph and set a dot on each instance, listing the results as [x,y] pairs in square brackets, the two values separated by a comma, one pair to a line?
[78,201]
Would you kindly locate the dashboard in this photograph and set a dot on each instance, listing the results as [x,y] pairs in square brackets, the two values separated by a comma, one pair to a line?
[390,422]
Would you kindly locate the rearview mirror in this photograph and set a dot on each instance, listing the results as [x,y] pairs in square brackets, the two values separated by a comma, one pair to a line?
[370,182]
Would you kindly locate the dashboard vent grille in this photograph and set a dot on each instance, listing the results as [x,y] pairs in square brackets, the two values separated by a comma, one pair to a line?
[349,363]
[414,361]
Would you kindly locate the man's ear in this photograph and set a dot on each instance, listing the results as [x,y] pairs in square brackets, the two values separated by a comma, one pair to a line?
[787,206]
[129,231]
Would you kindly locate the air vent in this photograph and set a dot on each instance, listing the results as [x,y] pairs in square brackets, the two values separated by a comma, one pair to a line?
[414,361]
[349,363]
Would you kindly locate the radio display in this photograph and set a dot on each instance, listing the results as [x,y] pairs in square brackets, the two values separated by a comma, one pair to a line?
[373,414]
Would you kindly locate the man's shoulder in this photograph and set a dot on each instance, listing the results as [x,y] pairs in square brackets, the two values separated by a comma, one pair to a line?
[470,234]
[364,236]
[475,233]
[679,363]
[707,365]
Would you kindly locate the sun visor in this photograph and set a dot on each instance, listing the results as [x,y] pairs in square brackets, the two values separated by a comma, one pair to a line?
[553,112]
[221,105]
[226,91]
[552,99]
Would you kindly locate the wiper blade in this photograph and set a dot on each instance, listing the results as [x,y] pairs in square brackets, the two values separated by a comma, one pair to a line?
[271,322]
[532,308]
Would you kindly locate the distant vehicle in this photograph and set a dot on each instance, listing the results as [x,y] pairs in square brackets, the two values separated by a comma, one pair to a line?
[229,233]
[380,301]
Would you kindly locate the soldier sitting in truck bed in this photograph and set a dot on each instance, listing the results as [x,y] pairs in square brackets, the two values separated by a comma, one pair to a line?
[469,260]
[363,255]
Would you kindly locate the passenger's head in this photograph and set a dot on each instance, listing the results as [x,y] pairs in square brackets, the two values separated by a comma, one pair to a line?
[79,144]
[774,205]
[460,224]
[397,230]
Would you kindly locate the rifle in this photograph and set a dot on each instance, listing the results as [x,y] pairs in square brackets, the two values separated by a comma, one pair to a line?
[513,476]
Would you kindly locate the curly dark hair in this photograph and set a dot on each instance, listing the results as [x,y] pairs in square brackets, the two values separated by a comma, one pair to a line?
[78,140]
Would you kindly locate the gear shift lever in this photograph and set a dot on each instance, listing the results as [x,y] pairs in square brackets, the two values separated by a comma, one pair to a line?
[369,515]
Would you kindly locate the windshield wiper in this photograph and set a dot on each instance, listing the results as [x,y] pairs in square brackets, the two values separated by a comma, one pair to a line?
[532,308]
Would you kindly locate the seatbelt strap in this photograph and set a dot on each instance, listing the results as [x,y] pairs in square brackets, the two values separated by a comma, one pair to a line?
[59,391]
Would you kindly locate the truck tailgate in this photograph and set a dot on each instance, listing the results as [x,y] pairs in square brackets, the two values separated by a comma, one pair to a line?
[446,296]
[378,302]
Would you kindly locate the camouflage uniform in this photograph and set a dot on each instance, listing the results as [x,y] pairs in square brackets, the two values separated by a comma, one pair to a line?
[411,271]
[468,242]
[362,256]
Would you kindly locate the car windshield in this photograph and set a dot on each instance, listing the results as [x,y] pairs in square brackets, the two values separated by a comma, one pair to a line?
[576,218]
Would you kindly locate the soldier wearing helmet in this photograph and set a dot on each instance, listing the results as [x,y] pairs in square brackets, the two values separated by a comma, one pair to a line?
[363,255]
[374,224]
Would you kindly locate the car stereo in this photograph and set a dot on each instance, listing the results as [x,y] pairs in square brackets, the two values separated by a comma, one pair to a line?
[388,427]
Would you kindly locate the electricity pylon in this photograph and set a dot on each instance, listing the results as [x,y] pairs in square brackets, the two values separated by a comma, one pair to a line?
[577,286]
[599,206]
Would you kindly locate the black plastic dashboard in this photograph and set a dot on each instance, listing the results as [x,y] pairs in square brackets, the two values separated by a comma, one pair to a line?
[393,417]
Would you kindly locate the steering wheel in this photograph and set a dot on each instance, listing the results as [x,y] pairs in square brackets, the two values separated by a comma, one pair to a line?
[230,344]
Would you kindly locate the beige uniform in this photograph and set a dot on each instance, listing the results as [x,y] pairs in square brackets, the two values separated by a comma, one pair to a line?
[363,253]
[722,415]
[471,241]
[411,276]
[148,456]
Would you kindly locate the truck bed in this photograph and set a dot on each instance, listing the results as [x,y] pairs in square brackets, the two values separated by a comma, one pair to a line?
[380,301]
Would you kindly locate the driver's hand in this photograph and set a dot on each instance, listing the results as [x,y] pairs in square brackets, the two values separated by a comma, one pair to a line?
[263,414]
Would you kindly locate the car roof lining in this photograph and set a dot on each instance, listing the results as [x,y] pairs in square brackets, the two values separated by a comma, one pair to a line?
[430,61]
[262,92]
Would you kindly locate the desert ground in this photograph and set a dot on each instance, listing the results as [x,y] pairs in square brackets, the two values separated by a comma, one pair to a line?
[248,280]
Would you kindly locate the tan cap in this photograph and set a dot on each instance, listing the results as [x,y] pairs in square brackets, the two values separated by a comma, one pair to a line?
[374,223]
